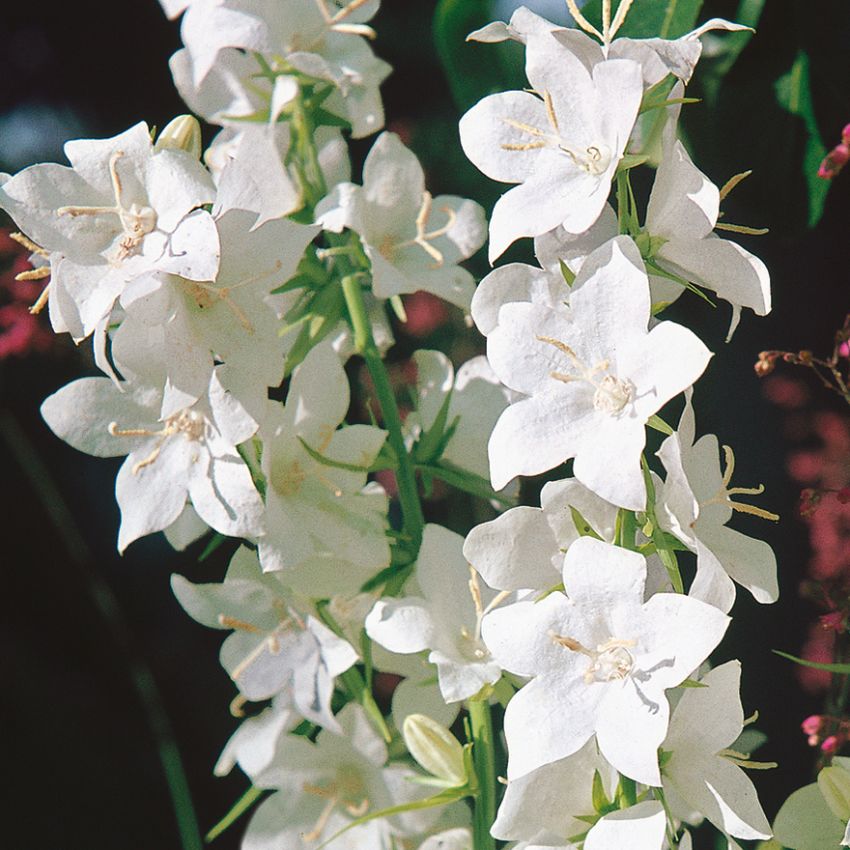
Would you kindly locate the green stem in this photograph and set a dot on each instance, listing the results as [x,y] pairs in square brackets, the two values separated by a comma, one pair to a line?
[364,344]
[484,759]
[109,609]
[239,808]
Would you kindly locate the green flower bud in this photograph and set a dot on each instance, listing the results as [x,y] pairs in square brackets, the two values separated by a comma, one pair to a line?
[181,133]
[434,748]
[834,784]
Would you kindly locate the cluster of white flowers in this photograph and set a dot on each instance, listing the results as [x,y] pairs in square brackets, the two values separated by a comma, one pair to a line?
[208,280]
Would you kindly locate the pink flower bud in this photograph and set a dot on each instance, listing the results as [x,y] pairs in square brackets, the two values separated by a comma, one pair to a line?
[845,135]
[830,745]
[834,621]
[839,155]
[812,724]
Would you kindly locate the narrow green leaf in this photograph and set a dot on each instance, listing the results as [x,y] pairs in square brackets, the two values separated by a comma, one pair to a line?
[214,542]
[794,93]
[583,527]
[462,480]
[658,424]
[242,805]
[566,272]
[843,669]
[598,795]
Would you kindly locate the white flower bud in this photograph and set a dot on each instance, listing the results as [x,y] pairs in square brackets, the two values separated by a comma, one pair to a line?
[434,748]
[182,133]
[834,784]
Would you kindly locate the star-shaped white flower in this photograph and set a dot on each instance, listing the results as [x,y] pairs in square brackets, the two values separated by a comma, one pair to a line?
[695,503]
[277,646]
[525,546]
[697,764]
[232,320]
[445,619]
[325,524]
[599,659]
[681,216]
[313,37]
[122,209]
[413,241]
[562,144]
[592,378]
[190,454]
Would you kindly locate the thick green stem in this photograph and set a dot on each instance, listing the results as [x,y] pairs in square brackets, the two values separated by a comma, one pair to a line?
[484,759]
[364,343]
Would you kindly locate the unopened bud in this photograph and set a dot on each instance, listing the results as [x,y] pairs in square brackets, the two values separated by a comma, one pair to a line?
[834,784]
[435,748]
[181,133]
[845,135]
[765,364]
[812,724]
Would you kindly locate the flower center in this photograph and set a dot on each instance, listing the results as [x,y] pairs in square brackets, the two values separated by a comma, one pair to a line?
[594,159]
[137,220]
[611,395]
[611,661]
[192,425]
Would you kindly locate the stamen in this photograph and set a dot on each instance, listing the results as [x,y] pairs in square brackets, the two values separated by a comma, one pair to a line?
[582,21]
[610,661]
[34,274]
[526,128]
[357,811]
[743,760]
[523,146]
[322,820]
[237,706]
[423,238]
[228,622]
[41,301]
[732,182]
[550,111]
[560,376]
[620,17]
[561,346]
[722,495]
[334,21]
[740,228]
[31,246]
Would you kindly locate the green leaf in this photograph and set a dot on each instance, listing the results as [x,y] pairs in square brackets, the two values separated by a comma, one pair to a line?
[462,480]
[692,683]
[335,464]
[658,537]
[651,18]
[450,795]
[599,797]
[658,424]
[583,527]
[214,542]
[242,805]
[566,272]
[817,665]
[794,93]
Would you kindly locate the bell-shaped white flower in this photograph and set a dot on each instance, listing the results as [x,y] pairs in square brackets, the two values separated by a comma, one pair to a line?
[562,144]
[276,647]
[325,524]
[682,213]
[313,37]
[698,765]
[413,241]
[599,659]
[695,503]
[658,57]
[445,619]
[592,378]
[525,546]
[190,454]
[232,320]
[321,787]
[121,210]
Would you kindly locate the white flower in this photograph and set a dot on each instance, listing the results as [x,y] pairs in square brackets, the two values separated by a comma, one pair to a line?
[305,36]
[413,241]
[232,320]
[525,546]
[275,648]
[323,786]
[681,216]
[697,764]
[592,377]
[474,399]
[599,660]
[122,209]
[544,806]
[325,524]
[808,819]
[562,144]
[658,56]
[695,504]
[445,619]
[190,454]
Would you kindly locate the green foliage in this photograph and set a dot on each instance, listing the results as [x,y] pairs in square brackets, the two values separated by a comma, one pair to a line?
[652,18]
[794,93]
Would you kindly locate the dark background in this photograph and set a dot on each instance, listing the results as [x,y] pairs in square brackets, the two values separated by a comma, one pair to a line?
[80,763]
